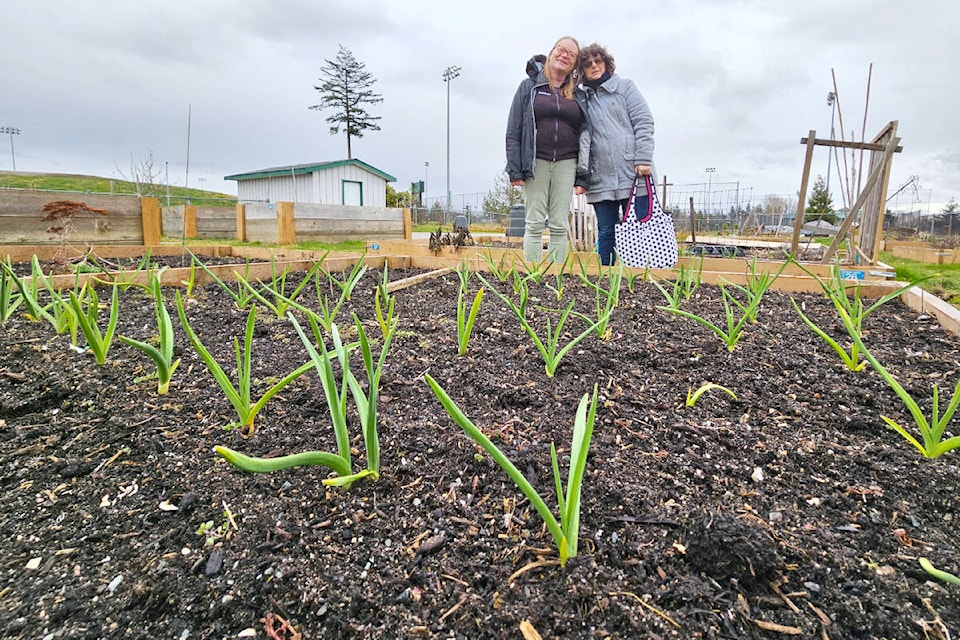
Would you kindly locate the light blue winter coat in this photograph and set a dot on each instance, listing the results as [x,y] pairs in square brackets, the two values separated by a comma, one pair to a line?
[621,137]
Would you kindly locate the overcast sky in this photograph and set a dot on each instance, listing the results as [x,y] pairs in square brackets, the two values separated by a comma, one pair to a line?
[733,85]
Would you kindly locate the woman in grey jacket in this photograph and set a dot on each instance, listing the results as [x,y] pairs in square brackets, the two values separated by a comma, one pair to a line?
[621,142]
[547,134]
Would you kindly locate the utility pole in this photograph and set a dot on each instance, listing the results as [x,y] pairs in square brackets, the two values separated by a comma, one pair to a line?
[12,131]
[448,75]
[426,175]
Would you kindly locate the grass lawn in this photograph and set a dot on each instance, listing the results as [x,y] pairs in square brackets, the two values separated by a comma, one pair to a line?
[944,283]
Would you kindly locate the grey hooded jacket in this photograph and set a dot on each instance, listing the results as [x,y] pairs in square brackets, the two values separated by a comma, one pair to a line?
[522,126]
[621,137]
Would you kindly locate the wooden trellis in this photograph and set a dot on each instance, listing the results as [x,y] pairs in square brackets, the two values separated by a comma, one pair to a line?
[865,243]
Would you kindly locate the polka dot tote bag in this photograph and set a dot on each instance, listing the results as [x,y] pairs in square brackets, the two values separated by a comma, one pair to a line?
[646,236]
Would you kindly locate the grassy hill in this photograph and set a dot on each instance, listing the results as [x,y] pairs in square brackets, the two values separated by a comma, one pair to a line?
[74,183]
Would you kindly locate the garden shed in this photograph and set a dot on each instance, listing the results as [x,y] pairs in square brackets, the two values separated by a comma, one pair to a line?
[339,182]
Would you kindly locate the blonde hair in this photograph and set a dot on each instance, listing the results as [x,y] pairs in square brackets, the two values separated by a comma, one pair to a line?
[570,82]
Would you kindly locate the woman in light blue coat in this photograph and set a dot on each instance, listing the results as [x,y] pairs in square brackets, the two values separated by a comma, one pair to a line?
[621,143]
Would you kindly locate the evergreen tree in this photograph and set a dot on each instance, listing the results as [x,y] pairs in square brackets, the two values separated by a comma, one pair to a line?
[346,89]
[820,205]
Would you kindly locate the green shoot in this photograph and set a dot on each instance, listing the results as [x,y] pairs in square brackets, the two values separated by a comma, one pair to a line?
[9,299]
[497,269]
[239,395]
[465,320]
[757,285]
[565,532]
[463,272]
[734,329]
[162,357]
[682,287]
[550,347]
[605,300]
[98,342]
[366,403]
[931,432]
[278,289]
[693,396]
[851,311]
[266,465]
[384,300]
[29,289]
[242,296]
[851,360]
[632,277]
[535,270]
[347,286]
[937,573]
[191,280]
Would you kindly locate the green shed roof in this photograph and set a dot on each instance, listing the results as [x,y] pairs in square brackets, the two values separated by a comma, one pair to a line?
[300,169]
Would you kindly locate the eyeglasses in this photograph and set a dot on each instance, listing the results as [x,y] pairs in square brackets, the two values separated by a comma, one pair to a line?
[595,61]
[563,51]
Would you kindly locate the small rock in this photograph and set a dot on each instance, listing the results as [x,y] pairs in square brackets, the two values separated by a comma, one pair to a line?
[76,469]
[114,584]
[775,517]
[812,587]
[186,502]
[214,563]
[34,564]
[347,534]
[757,475]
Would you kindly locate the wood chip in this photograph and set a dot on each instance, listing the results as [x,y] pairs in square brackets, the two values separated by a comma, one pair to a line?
[778,628]
[529,633]
[433,544]
[824,618]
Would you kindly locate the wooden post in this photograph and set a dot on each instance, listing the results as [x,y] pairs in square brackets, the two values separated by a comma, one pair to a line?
[663,199]
[189,221]
[150,215]
[407,225]
[693,222]
[802,201]
[286,233]
[241,222]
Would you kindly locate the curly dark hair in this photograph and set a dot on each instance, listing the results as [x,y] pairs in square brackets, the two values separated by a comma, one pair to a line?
[592,51]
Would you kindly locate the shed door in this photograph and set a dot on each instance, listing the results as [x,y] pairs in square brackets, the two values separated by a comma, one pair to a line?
[353,193]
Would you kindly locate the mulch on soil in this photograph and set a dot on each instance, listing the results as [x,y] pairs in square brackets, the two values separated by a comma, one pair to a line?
[791,510]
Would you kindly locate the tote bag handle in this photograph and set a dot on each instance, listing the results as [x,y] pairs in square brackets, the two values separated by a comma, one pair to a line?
[632,201]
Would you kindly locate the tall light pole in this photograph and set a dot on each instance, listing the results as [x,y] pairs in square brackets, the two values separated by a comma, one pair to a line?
[12,131]
[202,182]
[832,103]
[710,171]
[426,174]
[448,75]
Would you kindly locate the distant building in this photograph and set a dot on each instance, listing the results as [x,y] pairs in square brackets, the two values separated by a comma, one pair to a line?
[339,182]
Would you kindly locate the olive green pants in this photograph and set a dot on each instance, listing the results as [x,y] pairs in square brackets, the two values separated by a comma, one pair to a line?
[547,197]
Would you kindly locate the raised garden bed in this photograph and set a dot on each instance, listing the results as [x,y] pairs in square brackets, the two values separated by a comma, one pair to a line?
[791,510]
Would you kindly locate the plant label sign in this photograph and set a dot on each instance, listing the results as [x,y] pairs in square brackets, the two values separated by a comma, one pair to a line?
[851,274]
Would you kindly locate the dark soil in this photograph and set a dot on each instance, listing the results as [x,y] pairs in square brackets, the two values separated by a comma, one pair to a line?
[791,511]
